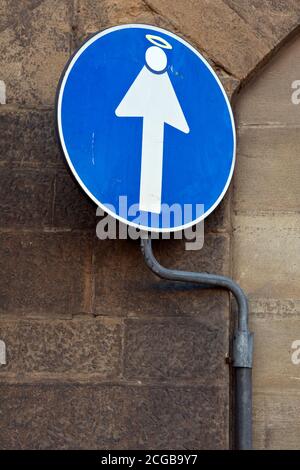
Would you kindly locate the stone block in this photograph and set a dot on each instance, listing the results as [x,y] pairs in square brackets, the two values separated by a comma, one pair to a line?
[61,348]
[177,349]
[266,176]
[266,252]
[28,139]
[113,417]
[26,198]
[34,47]
[45,273]
[72,207]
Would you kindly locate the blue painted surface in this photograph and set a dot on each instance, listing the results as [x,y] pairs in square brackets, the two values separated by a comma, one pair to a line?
[105,150]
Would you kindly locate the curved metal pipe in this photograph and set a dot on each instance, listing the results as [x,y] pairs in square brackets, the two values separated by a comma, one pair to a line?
[242,341]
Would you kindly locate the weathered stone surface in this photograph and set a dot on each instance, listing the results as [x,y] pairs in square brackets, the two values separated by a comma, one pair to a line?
[72,207]
[212,258]
[28,138]
[25,198]
[275,308]
[266,250]
[125,286]
[219,219]
[93,15]
[273,352]
[61,348]
[10,10]
[112,417]
[183,348]
[45,273]
[275,421]
[276,381]
[229,82]
[34,47]
[271,19]
[267,100]
[267,166]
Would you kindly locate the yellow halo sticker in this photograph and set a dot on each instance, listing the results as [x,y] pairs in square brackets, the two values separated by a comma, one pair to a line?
[158,41]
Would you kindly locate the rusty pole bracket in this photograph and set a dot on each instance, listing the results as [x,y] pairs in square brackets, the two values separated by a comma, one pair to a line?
[242,342]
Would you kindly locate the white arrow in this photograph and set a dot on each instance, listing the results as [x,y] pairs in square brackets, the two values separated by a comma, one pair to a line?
[152,97]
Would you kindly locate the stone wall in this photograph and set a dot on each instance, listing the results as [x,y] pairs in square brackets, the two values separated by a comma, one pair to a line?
[266,242]
[100,353]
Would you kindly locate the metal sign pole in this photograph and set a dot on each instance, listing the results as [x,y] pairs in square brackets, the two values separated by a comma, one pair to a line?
[242,349]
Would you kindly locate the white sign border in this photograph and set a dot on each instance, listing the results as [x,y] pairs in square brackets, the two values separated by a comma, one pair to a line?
[62,141]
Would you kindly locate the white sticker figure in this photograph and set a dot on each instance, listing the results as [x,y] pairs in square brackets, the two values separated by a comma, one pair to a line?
[152,97]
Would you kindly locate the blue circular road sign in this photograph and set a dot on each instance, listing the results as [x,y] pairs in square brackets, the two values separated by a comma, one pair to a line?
[146,127]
